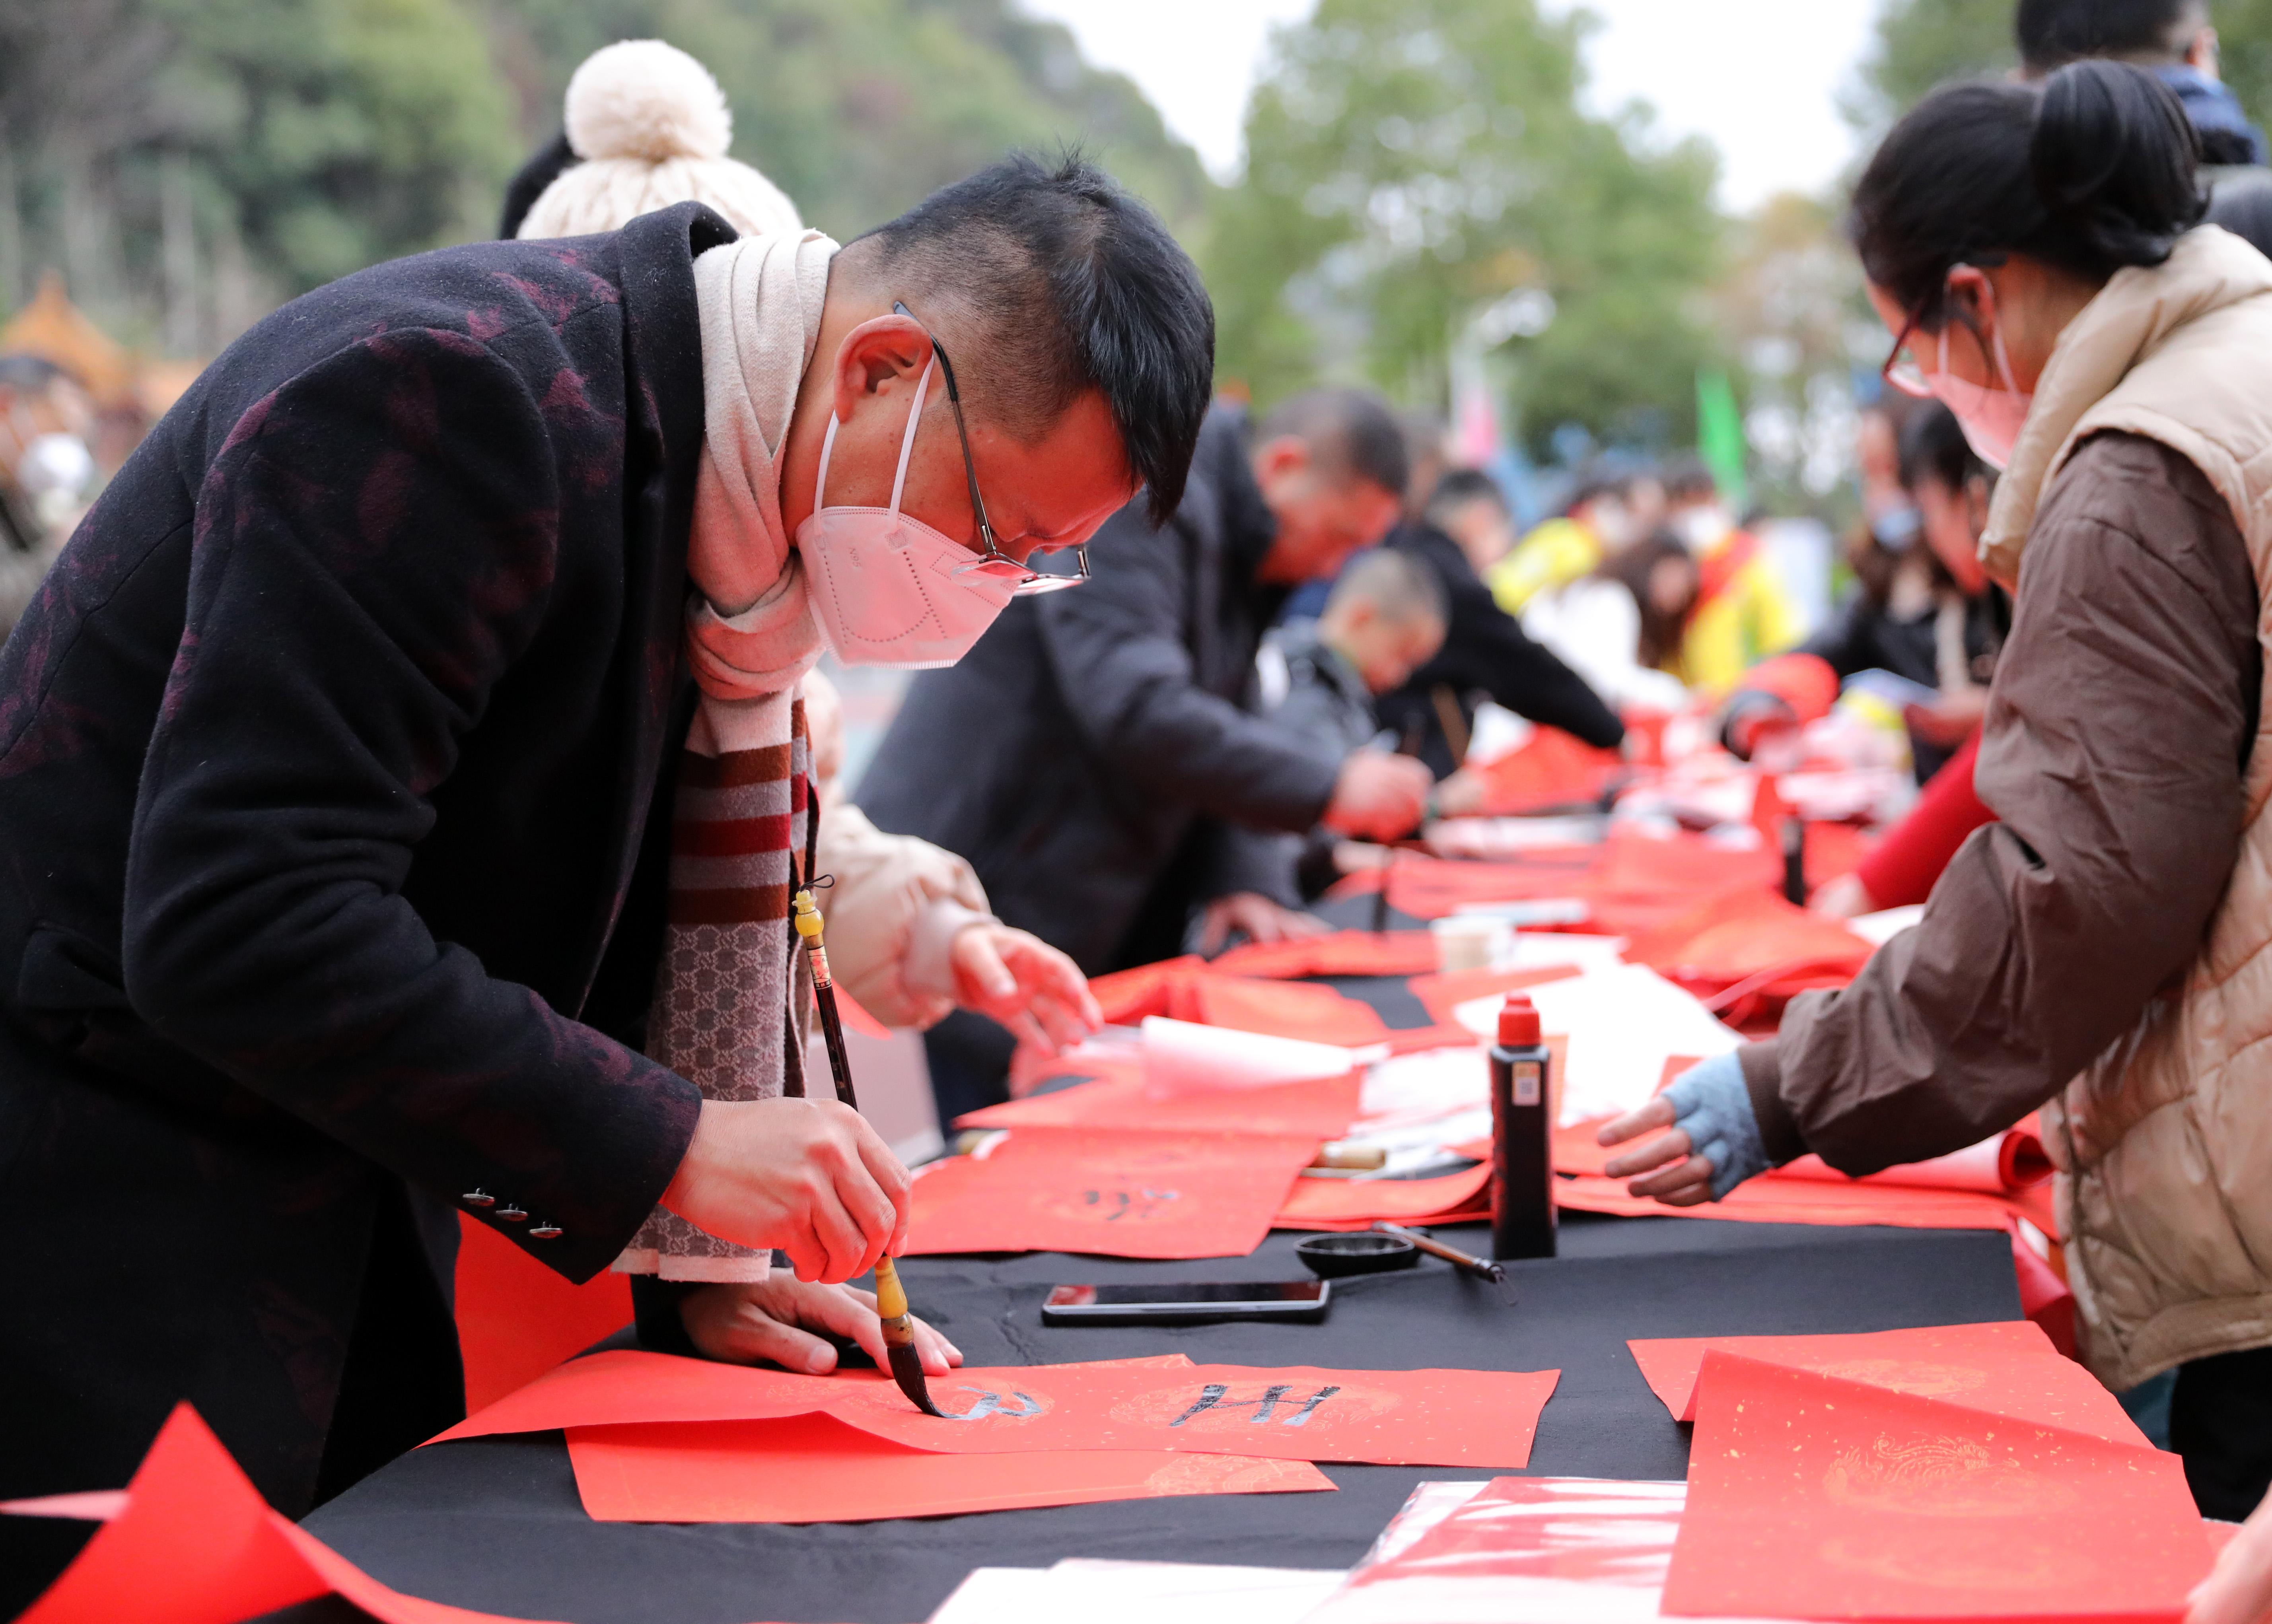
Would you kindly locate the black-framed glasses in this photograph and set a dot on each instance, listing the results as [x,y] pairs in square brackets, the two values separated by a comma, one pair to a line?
[1900,369]
[993,563]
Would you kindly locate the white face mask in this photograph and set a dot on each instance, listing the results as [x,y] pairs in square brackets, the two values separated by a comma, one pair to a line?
[1702,527]
[1992,418]
[889,590]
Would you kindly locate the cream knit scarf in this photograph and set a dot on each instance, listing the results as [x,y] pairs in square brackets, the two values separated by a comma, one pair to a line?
[722,1016]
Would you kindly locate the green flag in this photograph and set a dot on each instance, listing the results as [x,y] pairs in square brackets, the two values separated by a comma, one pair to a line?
[1720,435]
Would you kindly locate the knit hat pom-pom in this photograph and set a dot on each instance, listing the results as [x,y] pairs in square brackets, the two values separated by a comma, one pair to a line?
[645,100]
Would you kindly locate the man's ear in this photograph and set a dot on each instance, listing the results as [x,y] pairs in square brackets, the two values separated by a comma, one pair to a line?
[2201,54]
[1276,460]
[879,350]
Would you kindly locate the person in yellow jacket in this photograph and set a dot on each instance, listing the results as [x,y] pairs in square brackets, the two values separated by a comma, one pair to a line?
[1603,518]
[1742,614]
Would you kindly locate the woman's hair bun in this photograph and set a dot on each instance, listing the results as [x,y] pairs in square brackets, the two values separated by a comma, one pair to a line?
[643,99]
[2115,159]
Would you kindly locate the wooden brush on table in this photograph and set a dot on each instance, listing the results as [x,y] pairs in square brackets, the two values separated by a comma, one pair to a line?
[891,1296]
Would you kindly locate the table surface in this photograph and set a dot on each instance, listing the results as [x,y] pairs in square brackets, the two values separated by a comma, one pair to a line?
[495,1524]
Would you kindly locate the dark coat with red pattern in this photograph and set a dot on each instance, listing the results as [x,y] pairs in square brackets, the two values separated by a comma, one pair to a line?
[329,849]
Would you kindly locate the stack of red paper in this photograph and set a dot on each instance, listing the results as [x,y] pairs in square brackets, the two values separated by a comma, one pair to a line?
[1994,1482]
[659,1439]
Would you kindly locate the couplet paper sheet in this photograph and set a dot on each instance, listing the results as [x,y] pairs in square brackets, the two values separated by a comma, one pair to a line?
[1811,1496]
[190,1541]
[1315,1111]
[1353,1203]
[1416,1418]
[1121,1192]
[817,1469]
[2006,1365]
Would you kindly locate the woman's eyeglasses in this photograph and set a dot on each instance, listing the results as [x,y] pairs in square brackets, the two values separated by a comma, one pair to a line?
[993,563]
[1900,369]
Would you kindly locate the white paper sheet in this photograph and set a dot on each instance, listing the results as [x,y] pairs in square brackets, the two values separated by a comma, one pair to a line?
[1623,1023]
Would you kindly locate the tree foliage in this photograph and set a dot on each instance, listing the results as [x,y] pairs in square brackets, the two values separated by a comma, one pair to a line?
[1410,162]
[1921,43]
[857,108]
[189,163]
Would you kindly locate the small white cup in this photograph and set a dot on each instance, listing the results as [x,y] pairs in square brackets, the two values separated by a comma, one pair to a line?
[1465,942]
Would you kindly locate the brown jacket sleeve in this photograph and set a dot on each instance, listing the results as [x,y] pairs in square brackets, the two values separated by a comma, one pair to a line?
[2120,720]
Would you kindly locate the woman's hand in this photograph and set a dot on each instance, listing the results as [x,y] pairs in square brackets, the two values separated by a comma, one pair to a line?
[1949,721]
[2239,1589]
[809,1176]
[1715,1144]
[1021,982]
[775,1320]
[1676,1176]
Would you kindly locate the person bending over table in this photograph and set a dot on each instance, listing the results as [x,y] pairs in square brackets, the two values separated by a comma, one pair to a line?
[2105,950]
[1121,787]
[401,775]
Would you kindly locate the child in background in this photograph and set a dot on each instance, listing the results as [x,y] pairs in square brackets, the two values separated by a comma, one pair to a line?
[1742,614]
[1386,618]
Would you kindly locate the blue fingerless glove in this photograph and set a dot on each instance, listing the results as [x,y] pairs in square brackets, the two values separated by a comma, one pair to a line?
[1711,1102]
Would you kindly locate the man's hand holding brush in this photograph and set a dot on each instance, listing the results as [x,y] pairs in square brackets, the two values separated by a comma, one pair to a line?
[809,1176]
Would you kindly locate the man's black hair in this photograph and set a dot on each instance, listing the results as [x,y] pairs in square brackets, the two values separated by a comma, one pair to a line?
[1463,486]
[1043,282]
[1350,431]
[1401,586]
[2053,33]
[546,164]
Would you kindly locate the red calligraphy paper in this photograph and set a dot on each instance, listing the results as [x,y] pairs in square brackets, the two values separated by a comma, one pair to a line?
[1279,1008]
[1553,771]
[2006,1366]
[1814,1497]
[1354,1203]
[1126,996]
[1441,996]
[517,1319]
[1751,938]
[816,1469]
[1119,1192]
[189,1541]
[1768,1200]
[1447,1418]
[1318,1110]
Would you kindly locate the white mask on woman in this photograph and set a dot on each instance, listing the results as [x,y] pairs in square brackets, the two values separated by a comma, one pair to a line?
[1991,417]
[888,589]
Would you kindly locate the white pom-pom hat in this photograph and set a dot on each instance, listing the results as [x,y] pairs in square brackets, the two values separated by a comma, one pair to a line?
[651,127]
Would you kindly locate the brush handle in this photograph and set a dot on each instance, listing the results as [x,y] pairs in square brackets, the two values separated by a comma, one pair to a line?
[1437,1249]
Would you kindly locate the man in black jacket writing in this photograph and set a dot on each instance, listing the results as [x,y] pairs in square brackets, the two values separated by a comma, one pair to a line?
[336,764]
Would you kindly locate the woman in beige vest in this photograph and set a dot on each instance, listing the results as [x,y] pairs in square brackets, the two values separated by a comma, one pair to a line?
[2104,950]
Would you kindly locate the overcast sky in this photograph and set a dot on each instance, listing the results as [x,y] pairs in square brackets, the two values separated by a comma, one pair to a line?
[1759,78]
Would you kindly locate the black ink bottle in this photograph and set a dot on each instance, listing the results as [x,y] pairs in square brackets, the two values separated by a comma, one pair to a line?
[1522,1135]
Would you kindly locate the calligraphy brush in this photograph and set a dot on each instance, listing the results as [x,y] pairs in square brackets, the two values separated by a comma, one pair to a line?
[891,1296]
[1480,1267]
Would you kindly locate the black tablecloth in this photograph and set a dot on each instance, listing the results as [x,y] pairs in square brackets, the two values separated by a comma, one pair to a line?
[495,1524]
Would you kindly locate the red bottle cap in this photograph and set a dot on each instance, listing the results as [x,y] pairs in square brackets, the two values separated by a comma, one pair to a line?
[1518,1024]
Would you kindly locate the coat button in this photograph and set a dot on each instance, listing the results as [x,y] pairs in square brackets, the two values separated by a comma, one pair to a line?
[510,1215]
[478,1198]
[544,1232]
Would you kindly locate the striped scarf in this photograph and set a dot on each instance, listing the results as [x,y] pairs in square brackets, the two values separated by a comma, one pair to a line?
[728,982]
